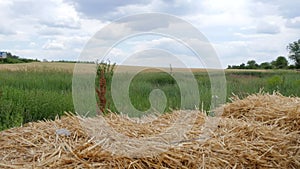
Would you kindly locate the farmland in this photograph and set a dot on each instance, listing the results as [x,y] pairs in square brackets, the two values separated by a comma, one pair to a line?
[37,91]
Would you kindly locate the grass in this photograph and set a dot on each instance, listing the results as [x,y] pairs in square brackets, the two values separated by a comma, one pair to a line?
[33,95]
[144,83]
[244,83]
[240,83]
[36,92]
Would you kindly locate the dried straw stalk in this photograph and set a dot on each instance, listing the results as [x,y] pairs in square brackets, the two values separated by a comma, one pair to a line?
[260,131]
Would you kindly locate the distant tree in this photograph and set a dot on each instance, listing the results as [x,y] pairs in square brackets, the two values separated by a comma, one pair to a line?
[273,64]
[294,52]
[291,67]
[251,64]
[281,62]
[265,65]
[9,55]
[234,67]
[11,59]
[242,66]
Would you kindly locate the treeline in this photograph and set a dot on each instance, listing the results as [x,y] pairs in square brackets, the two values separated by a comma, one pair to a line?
[11,59]
[280,63]
[66,61]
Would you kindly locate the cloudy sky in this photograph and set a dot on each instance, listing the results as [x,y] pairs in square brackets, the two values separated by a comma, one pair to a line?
[238,30]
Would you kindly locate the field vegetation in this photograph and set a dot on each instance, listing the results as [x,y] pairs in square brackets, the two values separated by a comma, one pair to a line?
[42,92]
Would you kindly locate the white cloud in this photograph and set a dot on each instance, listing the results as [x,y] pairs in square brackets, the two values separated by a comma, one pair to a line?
[267,28]
[293,22]
[59,29]
[32,44]
[53,45]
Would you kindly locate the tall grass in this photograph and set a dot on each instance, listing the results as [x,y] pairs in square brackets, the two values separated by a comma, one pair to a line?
[31,96]
[35,95]
[239,83]
[245,83]
[142,85]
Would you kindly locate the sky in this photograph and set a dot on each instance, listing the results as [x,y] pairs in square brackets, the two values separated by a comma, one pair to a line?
[238,31]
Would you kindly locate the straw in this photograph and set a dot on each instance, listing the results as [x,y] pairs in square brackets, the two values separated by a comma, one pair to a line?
[260,131]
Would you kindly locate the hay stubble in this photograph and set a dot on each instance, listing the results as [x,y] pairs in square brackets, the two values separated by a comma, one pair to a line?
[260,131]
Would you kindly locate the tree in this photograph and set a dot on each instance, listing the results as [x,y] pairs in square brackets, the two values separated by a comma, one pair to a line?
[265,65]
[281,62]
[242,66]
[273,64]
[9,55]
[251,64]
[294,52]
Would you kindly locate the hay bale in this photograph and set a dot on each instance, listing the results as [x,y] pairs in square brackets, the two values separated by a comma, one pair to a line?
[269,109]
[236,143]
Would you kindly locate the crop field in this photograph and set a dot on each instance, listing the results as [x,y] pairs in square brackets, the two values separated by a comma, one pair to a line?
[37,91]
[33,95]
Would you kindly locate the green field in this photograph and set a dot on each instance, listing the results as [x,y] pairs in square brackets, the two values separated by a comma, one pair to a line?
[42,93]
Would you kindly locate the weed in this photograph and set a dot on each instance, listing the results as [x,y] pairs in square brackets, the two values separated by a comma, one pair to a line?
[105,71]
